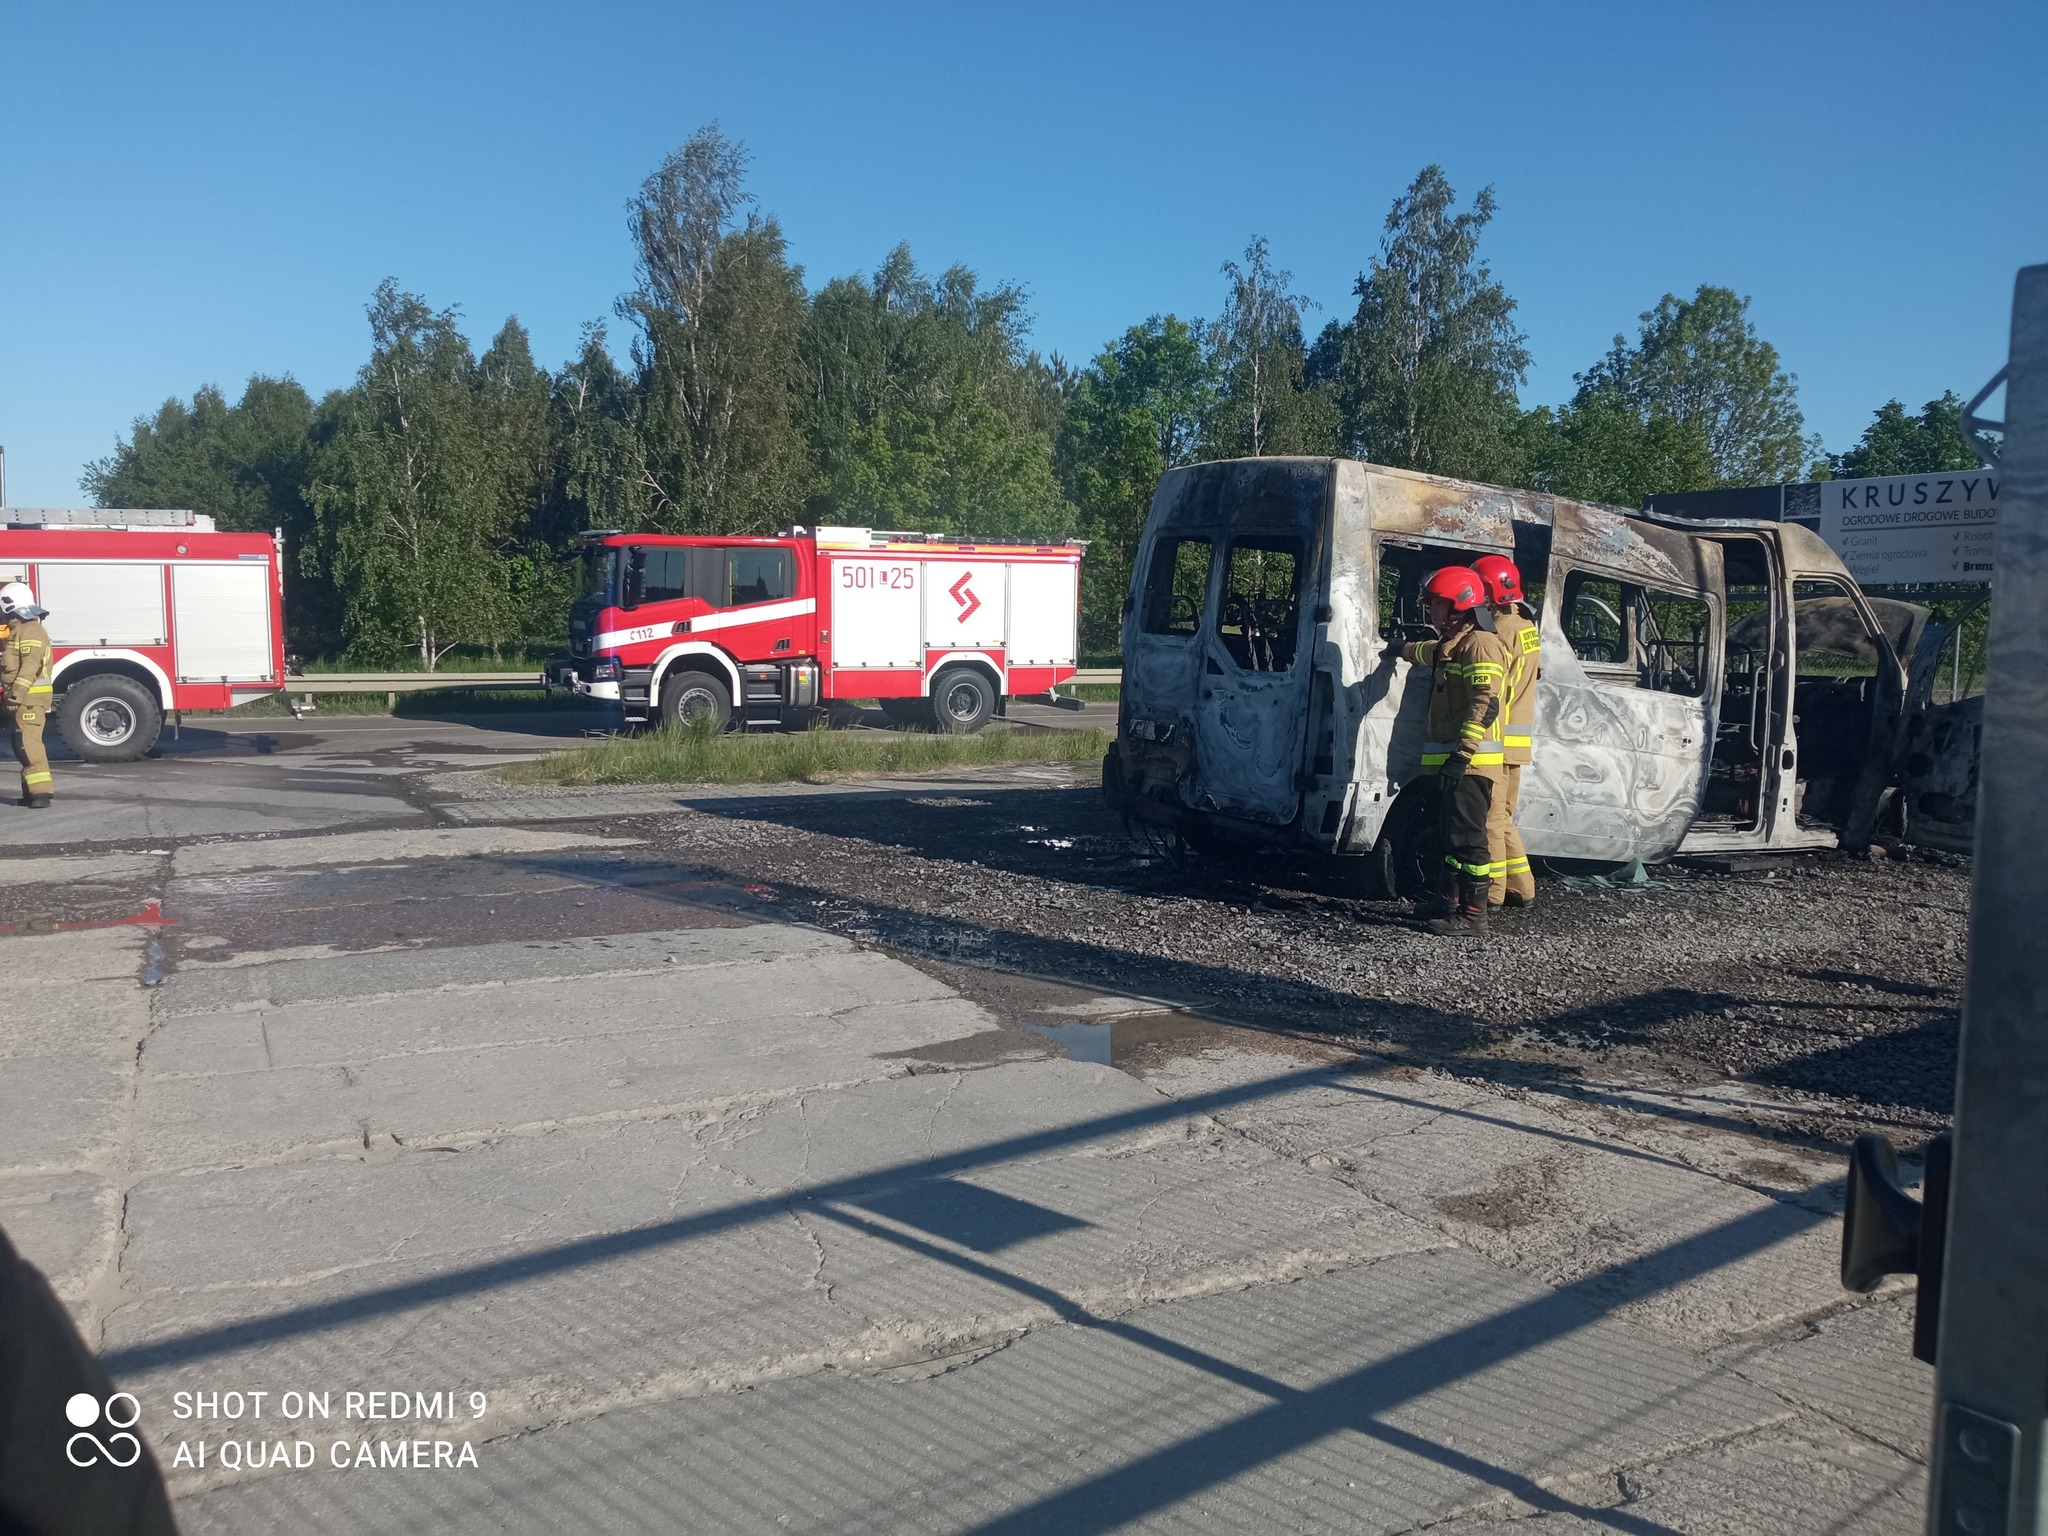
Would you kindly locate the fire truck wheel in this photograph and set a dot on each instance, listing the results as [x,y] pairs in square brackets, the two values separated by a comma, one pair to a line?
[687,696]
[109,718]
[963,700]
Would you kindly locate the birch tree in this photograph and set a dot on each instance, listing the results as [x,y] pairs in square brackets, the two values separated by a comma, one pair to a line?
[1432,359]
[1264,405]
[718,308]
[411,493]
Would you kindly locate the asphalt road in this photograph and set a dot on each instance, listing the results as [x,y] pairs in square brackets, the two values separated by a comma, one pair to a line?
[679,1176]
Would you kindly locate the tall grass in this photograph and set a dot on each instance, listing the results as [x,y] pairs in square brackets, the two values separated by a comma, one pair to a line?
[698,754]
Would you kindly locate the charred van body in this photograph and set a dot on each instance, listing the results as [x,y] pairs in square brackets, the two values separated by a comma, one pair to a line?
[1706,687]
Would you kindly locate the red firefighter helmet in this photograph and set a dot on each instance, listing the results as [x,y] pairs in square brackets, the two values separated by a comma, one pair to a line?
[1458,585]
[1503,581]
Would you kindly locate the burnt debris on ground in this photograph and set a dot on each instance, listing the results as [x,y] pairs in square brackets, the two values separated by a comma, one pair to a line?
[1829,980]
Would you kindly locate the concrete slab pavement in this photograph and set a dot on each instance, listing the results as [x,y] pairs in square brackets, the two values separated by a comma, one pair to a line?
[1378,1398]
[749,1226]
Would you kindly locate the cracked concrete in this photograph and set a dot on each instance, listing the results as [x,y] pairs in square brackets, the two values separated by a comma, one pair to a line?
[749,1226]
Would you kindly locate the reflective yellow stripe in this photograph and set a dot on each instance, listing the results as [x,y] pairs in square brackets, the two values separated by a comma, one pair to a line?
[1438,750]
[1478,871]
[1519,741]
[1516,866]
[42,687]
[40,776]
[1477,759]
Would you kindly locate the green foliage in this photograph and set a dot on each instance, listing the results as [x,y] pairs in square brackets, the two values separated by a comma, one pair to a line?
[719,309]
[1897,444]
[1264,404]
[1136,412]
[1700,362]
[696,753]
[594,448]
[1599,449]
[1432,359]
[925,410]
[419,491]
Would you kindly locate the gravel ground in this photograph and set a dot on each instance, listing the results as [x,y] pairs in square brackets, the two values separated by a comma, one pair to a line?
[1828,984]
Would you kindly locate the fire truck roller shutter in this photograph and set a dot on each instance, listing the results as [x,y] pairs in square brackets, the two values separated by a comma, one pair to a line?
[103,602]
[223,618]
[966,604]
[875,613]
[1043,603]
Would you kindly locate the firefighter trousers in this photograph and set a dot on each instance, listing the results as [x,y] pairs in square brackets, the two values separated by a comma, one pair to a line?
[26,723]
[1507,859]
[1466,806]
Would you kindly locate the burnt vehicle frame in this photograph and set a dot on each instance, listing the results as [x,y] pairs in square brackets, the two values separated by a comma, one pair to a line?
[1707,687]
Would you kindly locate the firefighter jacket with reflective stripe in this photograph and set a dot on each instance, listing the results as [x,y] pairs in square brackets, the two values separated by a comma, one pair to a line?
[1467,707]
[25,663]
[1525,665]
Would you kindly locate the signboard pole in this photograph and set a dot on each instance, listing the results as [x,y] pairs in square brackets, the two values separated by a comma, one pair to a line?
[1992,1366]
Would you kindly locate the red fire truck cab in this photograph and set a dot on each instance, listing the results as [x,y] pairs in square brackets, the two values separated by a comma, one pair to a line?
[150,611]
[940,630]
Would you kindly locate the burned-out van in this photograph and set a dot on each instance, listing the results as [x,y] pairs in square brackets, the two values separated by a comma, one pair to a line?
[1706,687]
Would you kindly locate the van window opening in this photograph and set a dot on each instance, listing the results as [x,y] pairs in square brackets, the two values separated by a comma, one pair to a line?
[1258,615]
[1402,570]
[1177,586]
[1633,636]
[1959,668]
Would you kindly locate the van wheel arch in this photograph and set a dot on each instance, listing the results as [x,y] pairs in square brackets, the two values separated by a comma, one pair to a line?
[1402,861]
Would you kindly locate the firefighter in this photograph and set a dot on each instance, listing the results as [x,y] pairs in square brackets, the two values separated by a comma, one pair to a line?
[1513,884]
[1467,714]
[25,687]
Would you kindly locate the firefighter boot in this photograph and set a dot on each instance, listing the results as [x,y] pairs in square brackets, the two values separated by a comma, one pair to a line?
[1441,902]
[1468,919]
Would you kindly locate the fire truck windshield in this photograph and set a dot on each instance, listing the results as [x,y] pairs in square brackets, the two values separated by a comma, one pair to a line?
[599,579]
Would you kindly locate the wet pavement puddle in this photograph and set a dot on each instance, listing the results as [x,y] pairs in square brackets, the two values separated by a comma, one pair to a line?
[1117,1042]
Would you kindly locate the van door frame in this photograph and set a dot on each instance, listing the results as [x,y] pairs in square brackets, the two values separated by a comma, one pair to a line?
[1777,825]
[1222,680]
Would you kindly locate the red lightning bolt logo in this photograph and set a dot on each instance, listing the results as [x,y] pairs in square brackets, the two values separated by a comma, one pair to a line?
[964,596]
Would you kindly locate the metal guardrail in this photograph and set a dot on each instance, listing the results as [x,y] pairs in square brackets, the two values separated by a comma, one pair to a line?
[406,682]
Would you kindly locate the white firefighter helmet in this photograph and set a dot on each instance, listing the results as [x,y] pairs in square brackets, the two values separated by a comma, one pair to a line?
[15,599]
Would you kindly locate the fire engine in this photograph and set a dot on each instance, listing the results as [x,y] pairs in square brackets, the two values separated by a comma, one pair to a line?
[941,631]
[150,612]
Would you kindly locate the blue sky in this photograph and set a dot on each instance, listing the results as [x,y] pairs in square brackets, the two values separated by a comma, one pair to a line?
[194,193]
